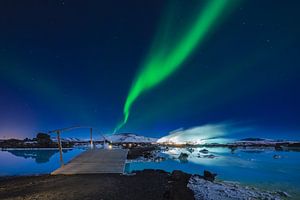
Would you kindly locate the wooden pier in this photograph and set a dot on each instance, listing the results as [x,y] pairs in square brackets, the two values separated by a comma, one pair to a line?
[96,161]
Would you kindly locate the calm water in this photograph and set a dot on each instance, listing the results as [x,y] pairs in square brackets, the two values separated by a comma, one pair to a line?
[30,162]
[257,168]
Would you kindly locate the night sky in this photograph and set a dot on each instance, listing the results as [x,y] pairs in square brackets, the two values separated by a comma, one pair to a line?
[72,62]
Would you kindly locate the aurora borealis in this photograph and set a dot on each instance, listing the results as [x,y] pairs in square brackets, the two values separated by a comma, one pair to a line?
[162,64]
[170,64]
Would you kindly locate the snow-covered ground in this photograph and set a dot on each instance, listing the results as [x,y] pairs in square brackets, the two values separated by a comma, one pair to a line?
[206,190]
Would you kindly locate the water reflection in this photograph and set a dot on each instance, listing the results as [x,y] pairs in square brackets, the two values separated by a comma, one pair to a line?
[39,156]
[28,162]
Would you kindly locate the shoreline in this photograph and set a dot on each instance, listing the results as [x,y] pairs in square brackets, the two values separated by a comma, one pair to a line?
[148,184]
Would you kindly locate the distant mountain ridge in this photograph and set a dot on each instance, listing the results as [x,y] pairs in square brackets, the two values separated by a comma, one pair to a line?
[69,139]
[130,137]
[115,138]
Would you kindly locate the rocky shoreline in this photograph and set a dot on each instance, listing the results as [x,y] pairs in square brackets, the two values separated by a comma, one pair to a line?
[147,184]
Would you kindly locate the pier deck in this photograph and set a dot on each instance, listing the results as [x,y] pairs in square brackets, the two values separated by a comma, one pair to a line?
[95,161]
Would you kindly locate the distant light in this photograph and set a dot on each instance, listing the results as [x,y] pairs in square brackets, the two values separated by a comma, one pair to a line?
[110,146]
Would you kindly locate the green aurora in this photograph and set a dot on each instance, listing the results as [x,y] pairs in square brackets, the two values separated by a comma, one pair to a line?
[163,62]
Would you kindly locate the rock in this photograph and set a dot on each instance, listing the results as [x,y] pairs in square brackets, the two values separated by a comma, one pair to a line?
[177,189]
[191,150]
[166,194]
[278,147]
[207,190]
[209,176]
[159,159]
[205,151]
[295,144]
[283,194]
[209,156]
[179,175]
[232,149]
[277,156]
[137,152]
[147,155]
[183,157]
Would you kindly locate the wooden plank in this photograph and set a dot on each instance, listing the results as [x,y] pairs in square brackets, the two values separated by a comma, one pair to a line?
[96,161]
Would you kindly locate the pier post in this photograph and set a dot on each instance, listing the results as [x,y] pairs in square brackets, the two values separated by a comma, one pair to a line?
[91,138]
[60,147]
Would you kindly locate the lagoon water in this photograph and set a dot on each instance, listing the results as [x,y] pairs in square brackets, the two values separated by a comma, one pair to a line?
[16,162]
[268,169]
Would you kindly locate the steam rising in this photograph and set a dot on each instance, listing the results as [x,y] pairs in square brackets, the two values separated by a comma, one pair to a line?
[209,133]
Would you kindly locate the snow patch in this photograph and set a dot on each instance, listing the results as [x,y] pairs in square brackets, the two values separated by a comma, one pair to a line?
[206,190]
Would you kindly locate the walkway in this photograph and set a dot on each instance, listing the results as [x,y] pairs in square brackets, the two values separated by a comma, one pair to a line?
[96,161]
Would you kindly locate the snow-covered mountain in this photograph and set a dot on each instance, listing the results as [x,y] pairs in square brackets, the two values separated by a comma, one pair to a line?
[262,141]
[115,138]
[129,137]
[68,139]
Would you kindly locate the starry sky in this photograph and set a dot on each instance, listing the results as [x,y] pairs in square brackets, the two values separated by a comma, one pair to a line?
[71,62]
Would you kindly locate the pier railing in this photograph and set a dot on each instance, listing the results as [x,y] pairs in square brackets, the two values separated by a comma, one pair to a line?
[58,133]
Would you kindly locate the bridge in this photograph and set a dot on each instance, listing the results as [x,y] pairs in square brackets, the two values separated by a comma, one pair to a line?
[92,161]
[95,161]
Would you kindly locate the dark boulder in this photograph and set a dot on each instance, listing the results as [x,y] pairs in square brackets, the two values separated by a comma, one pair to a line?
[137,152]
[179,175]
[183,157]
[204,151]
[278,147]
[211,156]
[177,187]
[209,176]
[191,150]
